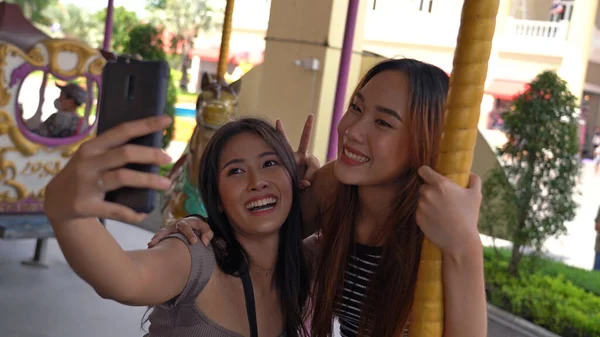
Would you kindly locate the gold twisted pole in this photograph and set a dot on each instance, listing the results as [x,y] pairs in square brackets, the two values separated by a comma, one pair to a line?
[474,45]
[225,37]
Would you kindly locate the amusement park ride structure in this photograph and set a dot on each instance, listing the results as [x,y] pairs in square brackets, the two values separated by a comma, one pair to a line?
[28,162]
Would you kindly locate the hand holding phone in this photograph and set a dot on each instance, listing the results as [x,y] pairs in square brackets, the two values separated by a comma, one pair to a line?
[133,90]
[99,167]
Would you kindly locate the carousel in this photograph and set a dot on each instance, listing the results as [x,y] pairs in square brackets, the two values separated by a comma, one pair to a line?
[28,160]
[39,76]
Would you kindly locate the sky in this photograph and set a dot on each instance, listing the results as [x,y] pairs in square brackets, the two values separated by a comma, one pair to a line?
[137,6]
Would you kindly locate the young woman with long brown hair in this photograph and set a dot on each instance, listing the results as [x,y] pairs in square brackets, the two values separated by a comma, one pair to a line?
[373,205]
[252,281]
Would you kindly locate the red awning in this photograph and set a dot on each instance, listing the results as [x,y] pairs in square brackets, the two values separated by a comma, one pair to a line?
[235,56]
[506,89]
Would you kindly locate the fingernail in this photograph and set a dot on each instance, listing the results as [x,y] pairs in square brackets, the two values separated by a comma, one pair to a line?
[165,182]
[305,183]
[194,240]
[206,242]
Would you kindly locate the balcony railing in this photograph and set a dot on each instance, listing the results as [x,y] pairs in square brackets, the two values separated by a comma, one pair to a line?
[530,29]
[436,23]
[535,37]
[423,22]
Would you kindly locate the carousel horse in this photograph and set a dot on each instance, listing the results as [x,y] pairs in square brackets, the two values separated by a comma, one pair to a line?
[216,105]
[29,61]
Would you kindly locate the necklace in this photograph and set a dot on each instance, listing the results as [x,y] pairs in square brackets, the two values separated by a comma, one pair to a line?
[268,272]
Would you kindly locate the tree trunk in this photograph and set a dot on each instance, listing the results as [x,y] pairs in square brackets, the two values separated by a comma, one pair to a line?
[515,259]
[520,235]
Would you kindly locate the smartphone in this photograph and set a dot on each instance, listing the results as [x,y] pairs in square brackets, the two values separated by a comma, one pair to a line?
[132,90]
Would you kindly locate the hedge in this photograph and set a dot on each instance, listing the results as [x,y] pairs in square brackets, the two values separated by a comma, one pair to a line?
[556,297]
[588,280]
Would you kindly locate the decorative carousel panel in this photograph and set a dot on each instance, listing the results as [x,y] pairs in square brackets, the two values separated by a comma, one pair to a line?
[48,104]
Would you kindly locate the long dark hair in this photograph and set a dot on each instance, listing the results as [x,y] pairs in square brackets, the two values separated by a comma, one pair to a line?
[291,273]
[390,293]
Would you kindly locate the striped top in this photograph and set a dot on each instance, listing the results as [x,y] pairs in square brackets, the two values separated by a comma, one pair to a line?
[361,266]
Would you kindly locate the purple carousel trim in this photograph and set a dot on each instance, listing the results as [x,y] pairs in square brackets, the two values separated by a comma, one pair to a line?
[27,205]
[20,73]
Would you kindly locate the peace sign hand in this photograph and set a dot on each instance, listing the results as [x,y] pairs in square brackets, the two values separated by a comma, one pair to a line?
[308,165]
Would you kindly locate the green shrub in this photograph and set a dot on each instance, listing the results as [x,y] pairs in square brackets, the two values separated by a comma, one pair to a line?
[145,41]
[551,302]
[585,279]
[588,280]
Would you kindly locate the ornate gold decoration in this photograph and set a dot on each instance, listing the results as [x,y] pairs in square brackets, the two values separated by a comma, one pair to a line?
[96,66]
[83,52]
[42,169]
[34,56]
[4,92]
[8,173]
[27,148]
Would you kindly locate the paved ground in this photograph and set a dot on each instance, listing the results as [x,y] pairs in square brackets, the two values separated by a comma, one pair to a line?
[577,247]
[55,302]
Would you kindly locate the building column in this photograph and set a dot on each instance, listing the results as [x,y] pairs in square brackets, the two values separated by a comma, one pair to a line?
[494,69]
[573,68]
[301,63]
[499,38]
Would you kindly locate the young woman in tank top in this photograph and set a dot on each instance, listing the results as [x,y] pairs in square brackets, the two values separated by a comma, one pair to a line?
[373,205]
[253,280]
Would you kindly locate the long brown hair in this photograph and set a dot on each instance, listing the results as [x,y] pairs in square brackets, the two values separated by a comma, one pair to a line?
[291,272]
[390,293]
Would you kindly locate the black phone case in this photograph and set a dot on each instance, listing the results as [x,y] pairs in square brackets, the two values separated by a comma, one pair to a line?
[133,90]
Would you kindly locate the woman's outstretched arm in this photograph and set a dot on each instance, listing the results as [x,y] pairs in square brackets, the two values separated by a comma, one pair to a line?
[75,199]
[140,277]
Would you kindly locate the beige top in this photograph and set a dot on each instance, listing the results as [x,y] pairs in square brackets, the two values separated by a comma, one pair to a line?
[180,317]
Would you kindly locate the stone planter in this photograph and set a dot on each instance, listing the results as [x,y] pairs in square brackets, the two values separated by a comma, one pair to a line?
[504,324]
